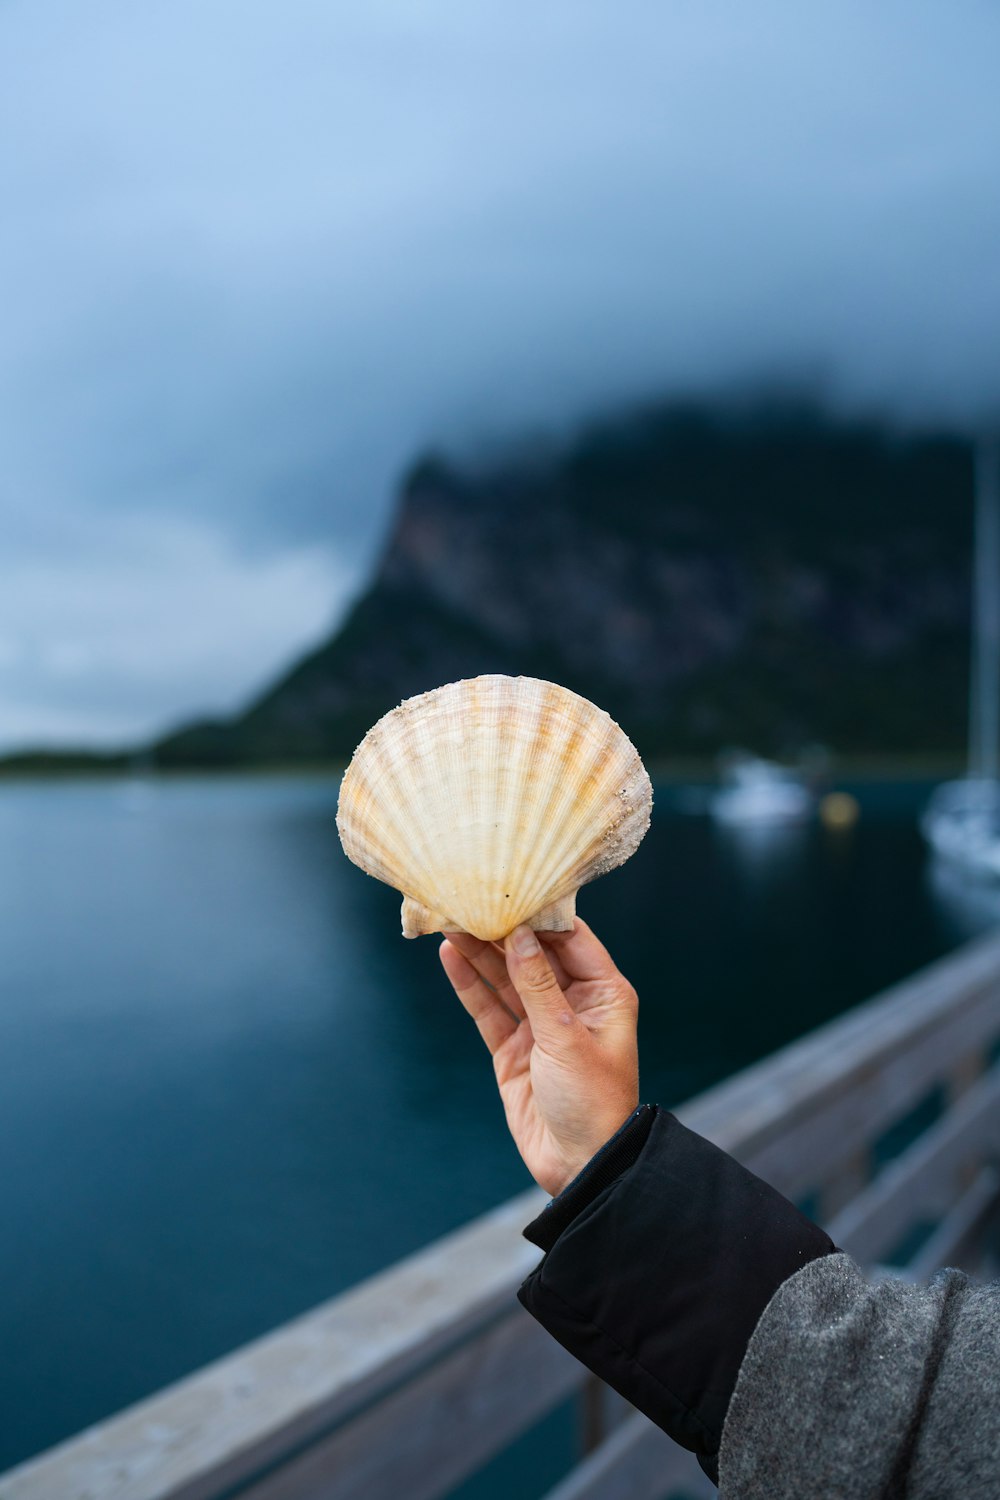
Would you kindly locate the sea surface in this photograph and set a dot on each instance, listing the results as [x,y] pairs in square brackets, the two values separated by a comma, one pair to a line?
[230,1089]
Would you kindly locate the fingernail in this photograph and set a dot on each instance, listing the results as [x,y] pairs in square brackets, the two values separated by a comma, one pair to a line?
[524,942]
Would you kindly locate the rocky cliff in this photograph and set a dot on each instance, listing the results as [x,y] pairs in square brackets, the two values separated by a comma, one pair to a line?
[765,576]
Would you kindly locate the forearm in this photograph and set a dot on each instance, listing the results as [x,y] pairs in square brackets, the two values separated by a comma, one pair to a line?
[656,1277]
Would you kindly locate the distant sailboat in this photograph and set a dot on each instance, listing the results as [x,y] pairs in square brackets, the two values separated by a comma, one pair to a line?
[962,819]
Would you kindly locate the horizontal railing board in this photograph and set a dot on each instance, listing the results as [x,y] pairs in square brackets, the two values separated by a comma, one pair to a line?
[223,1424]
[795,1115]
[924,1176]
[870,1098]
[959,1229]
[636,1462]
[750,1106]
[432,1433]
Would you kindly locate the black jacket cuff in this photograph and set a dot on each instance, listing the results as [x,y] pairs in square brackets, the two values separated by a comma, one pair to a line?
[657,1282]
[610,1162]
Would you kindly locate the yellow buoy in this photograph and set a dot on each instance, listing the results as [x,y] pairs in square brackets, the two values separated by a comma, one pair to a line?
[839,810]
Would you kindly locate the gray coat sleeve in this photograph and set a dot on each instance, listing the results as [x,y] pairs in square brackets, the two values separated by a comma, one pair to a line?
[853,1390]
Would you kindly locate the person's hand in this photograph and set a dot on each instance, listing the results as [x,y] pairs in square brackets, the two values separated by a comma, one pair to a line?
[560,1022]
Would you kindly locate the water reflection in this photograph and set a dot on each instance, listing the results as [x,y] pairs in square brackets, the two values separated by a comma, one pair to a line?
[763,856]
[229,1087]
[966,904]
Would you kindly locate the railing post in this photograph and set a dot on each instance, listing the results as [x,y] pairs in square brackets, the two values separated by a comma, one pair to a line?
[850,1178]
[592,1423]
[600,1411]
[961,1077]
[963,1074]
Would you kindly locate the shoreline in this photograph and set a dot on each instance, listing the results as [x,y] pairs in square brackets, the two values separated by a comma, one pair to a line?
[865,768]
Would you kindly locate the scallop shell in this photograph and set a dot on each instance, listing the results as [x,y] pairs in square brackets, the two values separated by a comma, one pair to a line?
[489,802]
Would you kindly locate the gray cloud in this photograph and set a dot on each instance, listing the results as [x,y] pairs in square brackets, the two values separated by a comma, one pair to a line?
[259,257]
[153,616]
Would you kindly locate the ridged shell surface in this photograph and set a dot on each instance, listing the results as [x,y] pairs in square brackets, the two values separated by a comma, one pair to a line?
[489,802]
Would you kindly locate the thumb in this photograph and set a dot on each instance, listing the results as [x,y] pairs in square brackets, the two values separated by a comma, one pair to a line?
[553,1021]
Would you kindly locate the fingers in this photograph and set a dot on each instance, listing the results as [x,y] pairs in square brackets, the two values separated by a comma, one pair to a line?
[489,963]
[583,956]
[554,1023]
[555,962]
[494,1022]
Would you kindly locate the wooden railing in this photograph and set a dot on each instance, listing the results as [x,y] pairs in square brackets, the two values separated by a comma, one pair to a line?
[883,1121]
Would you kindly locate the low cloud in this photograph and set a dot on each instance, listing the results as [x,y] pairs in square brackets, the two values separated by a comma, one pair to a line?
[160,617]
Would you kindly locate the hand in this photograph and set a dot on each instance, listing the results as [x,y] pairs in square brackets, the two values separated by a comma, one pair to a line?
[560,1021]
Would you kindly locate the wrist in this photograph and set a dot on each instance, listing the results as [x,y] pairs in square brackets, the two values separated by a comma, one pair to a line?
[614,1157]
[597,1140]
[594,1118]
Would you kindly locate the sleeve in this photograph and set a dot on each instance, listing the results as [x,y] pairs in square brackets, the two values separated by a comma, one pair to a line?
[872,1391]
[660,1259]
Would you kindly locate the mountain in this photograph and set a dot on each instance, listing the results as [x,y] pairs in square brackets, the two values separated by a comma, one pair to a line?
[761,574]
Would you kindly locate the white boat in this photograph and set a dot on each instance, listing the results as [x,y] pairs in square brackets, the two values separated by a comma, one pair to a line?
[961,822]
[760,792]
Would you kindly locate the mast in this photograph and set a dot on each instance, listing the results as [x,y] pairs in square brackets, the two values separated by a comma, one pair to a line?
[984,708]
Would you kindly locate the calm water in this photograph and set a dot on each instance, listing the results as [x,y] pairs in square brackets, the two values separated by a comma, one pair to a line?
[228,1089]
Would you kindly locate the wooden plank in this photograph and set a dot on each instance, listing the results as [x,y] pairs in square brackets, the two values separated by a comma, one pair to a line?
[436,1430]
[816,1143]
[743,1112]
[637,1462]
[955,1237]
[222,1425]
[923,1177]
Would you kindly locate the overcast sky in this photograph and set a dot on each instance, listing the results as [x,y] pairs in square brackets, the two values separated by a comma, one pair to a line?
[254,257]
